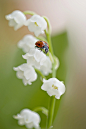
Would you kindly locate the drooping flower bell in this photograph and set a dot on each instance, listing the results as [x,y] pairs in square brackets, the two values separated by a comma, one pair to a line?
[53,87]
[27,42]
[26,73]
[39,60]
[35,57]
[28,118]
[16,19]
[36,24]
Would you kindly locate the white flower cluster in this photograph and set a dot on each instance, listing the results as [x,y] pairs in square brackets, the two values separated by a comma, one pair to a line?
[38,60]
[35,58]
[28,118]
[36,23]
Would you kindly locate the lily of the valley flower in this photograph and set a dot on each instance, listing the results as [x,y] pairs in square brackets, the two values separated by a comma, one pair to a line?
[27,42]
[53,87]
[26,73]
[39,60]
[28,118]
[35,58]
[16,19]
[36,24]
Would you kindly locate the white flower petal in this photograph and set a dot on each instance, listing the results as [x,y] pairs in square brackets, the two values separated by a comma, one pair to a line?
[29,125]
[21,122]
[28,118]
[19,74]
[17,26]
[18,116]
[39,55]
[45,87]
[25,81]
[27,42]
[16,19]
[49,92]
[40,21]
[26,73]
[32,26]
[38,31]
[36,125]
[12,22]
[46,66]
[62,89]
[16,68]
[8,17]
[57,97]
[36,24]
[34,57]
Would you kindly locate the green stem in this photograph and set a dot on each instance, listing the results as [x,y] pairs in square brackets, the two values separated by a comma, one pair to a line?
[52,104]
[40,73]
[49,42]
[54,70]
[43,109]
[51,111]
[52,98]
[48,32]
[29,12]
[48,23]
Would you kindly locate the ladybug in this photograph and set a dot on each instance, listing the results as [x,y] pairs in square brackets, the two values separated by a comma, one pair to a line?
[42,45]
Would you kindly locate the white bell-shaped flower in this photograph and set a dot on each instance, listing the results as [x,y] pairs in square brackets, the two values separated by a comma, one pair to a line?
[16,19]
[26,73]
[36,24]
[27,42]
[35,58]
[28,118]
[54,87]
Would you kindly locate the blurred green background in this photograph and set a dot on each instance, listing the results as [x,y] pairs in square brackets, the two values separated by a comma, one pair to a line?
[14,96]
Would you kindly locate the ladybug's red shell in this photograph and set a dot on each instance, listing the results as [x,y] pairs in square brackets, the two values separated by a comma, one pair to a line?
[42,45]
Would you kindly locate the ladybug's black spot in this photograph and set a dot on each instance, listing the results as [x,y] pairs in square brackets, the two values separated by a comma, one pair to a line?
[40,41]
[39,44]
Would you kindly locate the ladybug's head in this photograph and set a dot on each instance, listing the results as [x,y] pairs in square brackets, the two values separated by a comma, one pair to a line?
[46,49]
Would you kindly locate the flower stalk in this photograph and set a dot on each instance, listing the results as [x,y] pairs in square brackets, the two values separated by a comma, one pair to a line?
[29,12]
[49,42]
[38,71]
[43,109]
[51,111]
[52,99]
[52,104]
[48,32]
